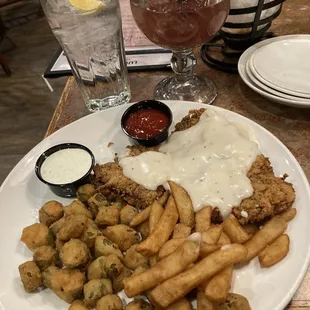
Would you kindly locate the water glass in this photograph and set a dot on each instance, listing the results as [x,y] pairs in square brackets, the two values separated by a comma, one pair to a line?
[90,33]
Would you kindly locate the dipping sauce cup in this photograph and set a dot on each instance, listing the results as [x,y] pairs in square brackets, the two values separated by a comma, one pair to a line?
[65,167]
[147,122]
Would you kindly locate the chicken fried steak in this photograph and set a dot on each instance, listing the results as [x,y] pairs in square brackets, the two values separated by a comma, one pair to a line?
[272,195]
[111,182]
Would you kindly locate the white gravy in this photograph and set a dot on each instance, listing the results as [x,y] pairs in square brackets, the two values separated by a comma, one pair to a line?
[210,160]
[66,166]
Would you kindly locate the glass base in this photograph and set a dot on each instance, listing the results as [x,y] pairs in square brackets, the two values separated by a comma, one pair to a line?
[96,105]
[193,88]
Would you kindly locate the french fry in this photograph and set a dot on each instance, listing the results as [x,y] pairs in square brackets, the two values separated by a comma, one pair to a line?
[169,247]
[288,215]
[141,217]
[224,239]
[209,240]
[235,231]
[182,304]
[203,303]
[163,199]
[183,203]
[170,266]
[153,260]
[161,232]
[266,235]
[219,285]
[251,229]
[181,231]
[155,214]
[274,252]
[203,219]
[178,286]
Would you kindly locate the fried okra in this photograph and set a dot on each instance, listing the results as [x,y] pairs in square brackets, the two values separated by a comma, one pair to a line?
[36,235]
[96,269]
[123,235]
[90,233]
[45,256]
[109,302]
[96,201]
[51,212]
[107,216]
[73,227]
[30,275]
[95,289]
[138,304]
[78,305]
[77,207]
[104,266]
[141,269]
[127,214]
[118,284]
[113,266]
[104,246]
[86,191]
[74,253]
[55,227]
[47,275]
[144,229]
[134,259]
[67,284]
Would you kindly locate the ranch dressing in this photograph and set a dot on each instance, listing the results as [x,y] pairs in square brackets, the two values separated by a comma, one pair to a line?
[66,166]
[210,160]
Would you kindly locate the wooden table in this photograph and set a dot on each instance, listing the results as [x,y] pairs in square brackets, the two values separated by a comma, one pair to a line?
[290,125]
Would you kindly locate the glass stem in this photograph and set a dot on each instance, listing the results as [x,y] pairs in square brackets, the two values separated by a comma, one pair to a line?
[183,63]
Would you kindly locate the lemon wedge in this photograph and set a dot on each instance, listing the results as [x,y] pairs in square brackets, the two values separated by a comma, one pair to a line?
[88,5]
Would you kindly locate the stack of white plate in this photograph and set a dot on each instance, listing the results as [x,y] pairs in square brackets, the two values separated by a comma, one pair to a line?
[279,69]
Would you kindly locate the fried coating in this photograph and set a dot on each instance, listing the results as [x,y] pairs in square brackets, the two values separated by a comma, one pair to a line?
[77,207]
[109,302]
[95,289]
[104,246]
[45,256]
[272,195]
[111,182]
[55,227]
[30,275]
[123,235]
[134,259]
[118,282]
[107,216]
[85,191]
[67,284]
[96,201]
[90,233]
[51,212]
[78,305]
[127,214]
[36,235]
[189,120]
[73,227]
[74,253]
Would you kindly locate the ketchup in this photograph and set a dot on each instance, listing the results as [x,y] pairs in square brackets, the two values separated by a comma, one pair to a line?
[146,123]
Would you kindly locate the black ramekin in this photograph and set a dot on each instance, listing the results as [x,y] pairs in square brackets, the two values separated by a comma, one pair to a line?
[69,189]
[148,104]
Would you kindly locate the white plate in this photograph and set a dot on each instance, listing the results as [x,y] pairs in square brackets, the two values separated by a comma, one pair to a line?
[285,65]
[22,194]
[244,76]
[271,90]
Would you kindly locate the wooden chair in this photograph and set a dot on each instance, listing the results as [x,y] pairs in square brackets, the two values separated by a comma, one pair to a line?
[3,62]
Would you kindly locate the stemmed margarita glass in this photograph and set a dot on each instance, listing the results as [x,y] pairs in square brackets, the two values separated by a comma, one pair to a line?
[181,25]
